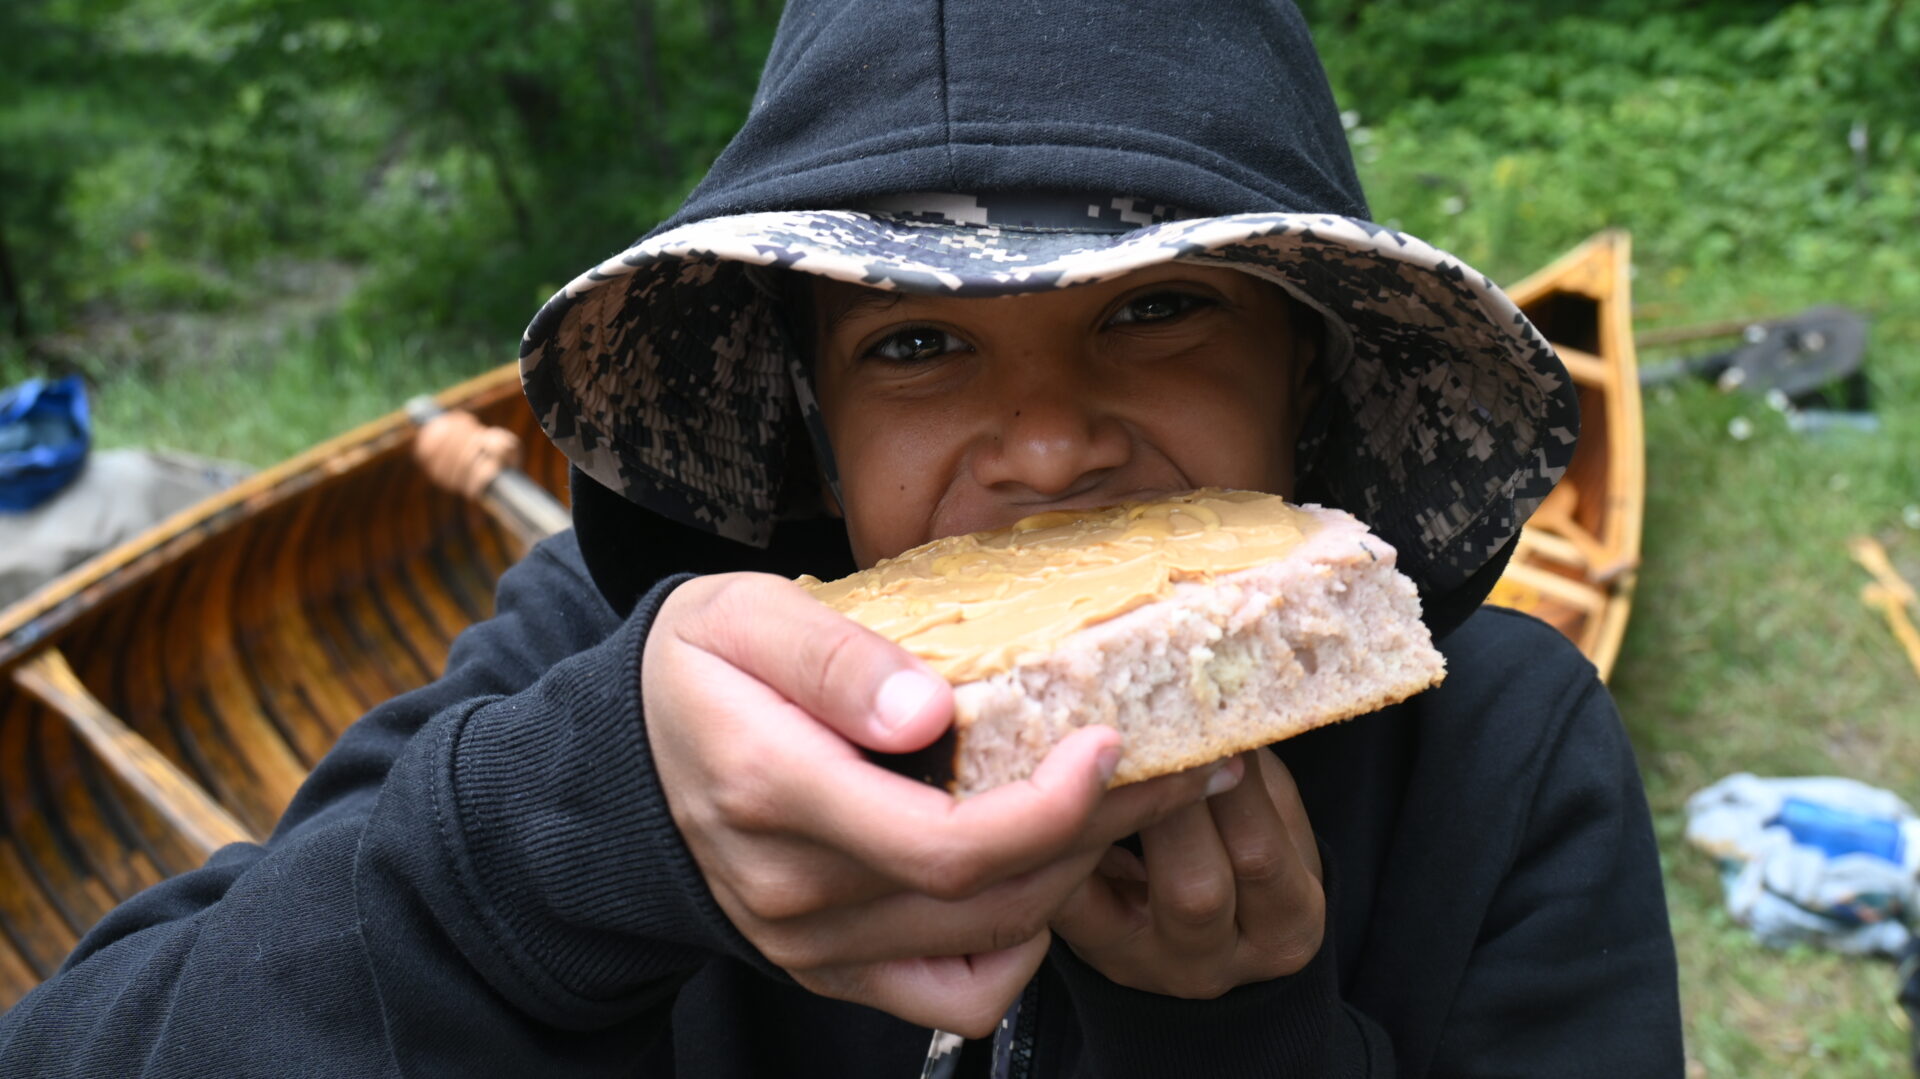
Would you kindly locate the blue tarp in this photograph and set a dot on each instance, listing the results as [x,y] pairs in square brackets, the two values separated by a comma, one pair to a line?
[44,433]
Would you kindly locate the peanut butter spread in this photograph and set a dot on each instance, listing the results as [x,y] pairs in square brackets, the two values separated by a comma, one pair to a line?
[972,605]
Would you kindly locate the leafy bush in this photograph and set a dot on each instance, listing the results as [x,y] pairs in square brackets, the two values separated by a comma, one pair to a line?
[1720,145]
[472,162]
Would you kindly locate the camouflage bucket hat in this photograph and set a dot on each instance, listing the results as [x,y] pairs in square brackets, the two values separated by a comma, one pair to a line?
[667,374]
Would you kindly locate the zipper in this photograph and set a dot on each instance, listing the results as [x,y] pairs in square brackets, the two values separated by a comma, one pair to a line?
[1014,1041]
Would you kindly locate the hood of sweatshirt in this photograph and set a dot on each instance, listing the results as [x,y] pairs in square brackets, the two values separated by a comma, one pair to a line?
[981,147]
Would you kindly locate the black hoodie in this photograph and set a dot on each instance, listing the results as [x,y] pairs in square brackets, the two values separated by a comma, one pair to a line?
[482,878]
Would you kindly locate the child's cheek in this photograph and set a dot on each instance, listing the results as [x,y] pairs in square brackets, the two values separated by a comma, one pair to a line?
[895,467]
[1224,425]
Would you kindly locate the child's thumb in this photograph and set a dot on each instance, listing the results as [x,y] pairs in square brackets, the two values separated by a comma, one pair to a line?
[868,689]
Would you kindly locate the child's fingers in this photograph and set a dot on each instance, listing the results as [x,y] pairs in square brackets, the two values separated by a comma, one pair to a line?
[1119,863]
[1190,885]
[928,841]
[869,690]
[1127,810]
[1102,915]
[751,687]
[778,884]
[966,995]
[904,925]
[1280,912]
[808,845]
[1253,833]
[948,848]
[1286,799]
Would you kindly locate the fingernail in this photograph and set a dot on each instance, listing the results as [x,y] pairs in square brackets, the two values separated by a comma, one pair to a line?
[1108,762]
[1226,776]
[901,697]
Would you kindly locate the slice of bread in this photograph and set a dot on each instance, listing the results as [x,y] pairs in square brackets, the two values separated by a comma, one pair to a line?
[1207,664]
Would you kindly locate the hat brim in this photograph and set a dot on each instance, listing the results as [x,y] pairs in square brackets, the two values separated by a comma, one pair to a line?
[662,372]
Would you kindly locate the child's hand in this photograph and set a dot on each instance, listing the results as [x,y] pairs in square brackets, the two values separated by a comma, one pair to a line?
[1229,893]
[865,885]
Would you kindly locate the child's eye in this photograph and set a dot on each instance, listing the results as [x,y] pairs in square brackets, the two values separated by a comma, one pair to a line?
[1158,307]
[916,344]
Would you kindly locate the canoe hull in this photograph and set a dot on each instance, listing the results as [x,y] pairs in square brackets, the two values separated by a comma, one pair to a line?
[237,641]
[1576,563]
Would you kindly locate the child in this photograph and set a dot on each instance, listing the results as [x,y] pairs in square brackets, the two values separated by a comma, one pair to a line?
[633,830]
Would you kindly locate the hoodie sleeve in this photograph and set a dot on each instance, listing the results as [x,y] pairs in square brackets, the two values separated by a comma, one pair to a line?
[480,878]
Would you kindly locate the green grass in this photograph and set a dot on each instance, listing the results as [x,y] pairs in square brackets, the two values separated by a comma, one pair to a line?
[290,367]
[1750,651]
[262,408]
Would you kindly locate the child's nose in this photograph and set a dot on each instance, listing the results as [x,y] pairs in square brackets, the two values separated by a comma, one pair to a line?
[1051,440]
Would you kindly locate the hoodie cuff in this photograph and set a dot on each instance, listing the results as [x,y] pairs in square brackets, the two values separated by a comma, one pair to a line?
[1273,1028]
[572,856]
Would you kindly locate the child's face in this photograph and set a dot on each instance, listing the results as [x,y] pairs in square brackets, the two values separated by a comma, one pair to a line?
[951,415]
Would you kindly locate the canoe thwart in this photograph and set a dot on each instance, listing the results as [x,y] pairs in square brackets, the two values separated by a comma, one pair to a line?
[180,801]
[1584,366]
[1560,539]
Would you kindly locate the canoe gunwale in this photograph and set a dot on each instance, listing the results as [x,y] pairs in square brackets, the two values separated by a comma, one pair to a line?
[1608,560]
[32,623]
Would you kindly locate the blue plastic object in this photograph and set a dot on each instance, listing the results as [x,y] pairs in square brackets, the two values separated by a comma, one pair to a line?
[1838,831]
[44,434]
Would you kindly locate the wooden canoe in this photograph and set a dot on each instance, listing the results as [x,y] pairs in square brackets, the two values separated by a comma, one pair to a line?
[1577,559]
[169,696]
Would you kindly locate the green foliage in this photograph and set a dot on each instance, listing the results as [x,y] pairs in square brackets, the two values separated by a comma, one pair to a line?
[152,151]
[516,137]
[1730,145]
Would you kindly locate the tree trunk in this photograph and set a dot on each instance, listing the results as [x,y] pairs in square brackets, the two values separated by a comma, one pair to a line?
[539,109]
[11,294]
[646,41]
[720,31]
[497,159]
